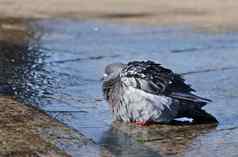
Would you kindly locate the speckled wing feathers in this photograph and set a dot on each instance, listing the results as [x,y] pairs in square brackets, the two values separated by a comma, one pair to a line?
[155,79]
[160,79]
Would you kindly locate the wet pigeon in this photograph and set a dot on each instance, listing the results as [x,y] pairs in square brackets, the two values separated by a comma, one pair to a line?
[144,92]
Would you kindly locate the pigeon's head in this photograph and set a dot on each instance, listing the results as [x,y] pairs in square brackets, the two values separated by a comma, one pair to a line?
[112,71]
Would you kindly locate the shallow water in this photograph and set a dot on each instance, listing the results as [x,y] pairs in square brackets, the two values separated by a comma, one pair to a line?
[60,69]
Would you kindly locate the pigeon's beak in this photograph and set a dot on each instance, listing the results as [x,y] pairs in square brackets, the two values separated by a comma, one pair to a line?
[104,77]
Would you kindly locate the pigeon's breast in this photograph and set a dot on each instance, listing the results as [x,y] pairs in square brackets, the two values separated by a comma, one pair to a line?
[138,105]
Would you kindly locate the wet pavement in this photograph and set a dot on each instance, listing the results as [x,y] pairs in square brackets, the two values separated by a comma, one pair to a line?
[58,69]
[26,131]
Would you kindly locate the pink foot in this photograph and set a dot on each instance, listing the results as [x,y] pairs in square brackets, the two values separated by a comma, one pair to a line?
[140,123]
[143,123]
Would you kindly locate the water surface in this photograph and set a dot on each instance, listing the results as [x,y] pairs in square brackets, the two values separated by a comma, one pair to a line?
[59,71]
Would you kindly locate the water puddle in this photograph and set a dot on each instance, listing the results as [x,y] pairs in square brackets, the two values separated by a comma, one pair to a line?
[59,71]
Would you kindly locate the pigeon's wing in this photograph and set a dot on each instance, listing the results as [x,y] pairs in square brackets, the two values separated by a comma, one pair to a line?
[155,79]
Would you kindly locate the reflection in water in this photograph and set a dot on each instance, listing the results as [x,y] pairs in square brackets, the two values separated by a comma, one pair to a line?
[121,144]
[125,139]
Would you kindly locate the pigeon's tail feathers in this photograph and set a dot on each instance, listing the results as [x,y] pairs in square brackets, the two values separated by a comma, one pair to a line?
[189,97]
[201,116]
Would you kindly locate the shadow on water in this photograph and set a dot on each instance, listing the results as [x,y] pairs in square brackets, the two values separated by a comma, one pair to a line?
[59,66]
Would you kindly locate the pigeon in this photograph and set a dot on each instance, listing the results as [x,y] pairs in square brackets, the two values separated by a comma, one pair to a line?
[145,92]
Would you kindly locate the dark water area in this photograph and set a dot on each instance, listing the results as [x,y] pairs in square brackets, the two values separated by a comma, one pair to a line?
[59,71]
